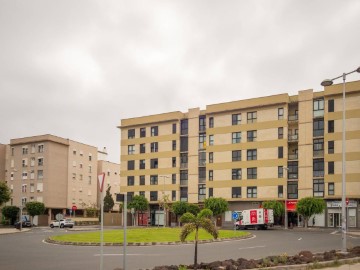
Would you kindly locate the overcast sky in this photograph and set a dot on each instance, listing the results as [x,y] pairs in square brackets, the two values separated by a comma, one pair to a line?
[76,68]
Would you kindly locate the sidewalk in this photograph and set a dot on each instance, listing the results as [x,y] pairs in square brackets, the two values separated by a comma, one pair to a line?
[12,230]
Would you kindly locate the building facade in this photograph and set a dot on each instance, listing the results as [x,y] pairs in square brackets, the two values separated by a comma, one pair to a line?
[59,172]
[249,151]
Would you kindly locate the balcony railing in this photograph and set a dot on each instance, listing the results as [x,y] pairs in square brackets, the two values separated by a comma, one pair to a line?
[318,133]
[318,153]
[293,138]
[293,176]
[319,113]
[318,173]
[293,157]
[293,117]
[184,199]
[201,197]
[183,182]
[183,165]
[202,163]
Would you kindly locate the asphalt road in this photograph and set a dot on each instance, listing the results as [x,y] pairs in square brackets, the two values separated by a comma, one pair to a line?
[28,251]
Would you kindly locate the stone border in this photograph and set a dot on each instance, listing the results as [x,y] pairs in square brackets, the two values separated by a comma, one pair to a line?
[51,241]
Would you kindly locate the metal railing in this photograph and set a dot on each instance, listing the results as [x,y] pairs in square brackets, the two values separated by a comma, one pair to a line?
[293,156]
[318,153]
[318,133]
[318,173]
[293,117]
[293,137]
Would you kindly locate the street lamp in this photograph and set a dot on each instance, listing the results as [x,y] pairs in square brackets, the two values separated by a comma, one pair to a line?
[329,82]
[163,192]
[286,216]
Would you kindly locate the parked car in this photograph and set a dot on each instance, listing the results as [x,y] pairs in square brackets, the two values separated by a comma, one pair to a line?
[62,223]
[25,223]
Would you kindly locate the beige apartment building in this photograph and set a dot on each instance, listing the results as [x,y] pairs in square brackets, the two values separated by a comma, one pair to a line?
[59,172]
[249,151]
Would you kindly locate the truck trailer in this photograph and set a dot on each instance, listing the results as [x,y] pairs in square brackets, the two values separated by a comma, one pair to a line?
[255,218]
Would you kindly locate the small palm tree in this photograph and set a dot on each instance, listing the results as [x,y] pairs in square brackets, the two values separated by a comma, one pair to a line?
[193,223]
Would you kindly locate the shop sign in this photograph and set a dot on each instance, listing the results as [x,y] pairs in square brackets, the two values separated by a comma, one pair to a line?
[337,204]
[291,205]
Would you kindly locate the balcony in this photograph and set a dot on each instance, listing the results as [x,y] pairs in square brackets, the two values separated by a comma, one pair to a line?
[184,199]
[318,133]
[202,163]
[183,165]
[202,180]
[293,176]
[294,117]
[293,157]
[293,138]
[183,182]
[318,153]
[318,173]
[319,113]
[201,197]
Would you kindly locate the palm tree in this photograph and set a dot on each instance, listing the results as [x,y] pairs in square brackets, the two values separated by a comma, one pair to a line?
[193,223]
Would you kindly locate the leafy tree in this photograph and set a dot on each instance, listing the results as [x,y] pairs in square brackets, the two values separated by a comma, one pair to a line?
[10,212]
[139,203]
[179,208]
[35,208]
[276,206]
[193,223]
[5,194]
[108,201]
[217,205]
[193,208]
[310,206]
[164,203]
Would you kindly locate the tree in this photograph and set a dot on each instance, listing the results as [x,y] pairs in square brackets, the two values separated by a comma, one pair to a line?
[108,201]
[276,206]
[310,206]
[217,205]
[164,203]
[193,209]
[5,194]
[179,208]
[194,223]
[11,212]
[139,203]
[34,209]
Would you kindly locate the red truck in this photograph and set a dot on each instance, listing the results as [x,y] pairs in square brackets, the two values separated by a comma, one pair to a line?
[255,218]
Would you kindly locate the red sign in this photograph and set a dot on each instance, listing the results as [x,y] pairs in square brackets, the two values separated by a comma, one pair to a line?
[253,216]
[266,216]
[73,207]
[291,205]
[347,201]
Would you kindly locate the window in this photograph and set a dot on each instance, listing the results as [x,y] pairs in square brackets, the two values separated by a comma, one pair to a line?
[251,173]
[12,151]
[183,176]
[292,190]
[202,158]
[183,161]
[331,167]
[318,187]
[131,149]
[183,144]
[202,191]
[90,157]
[40,161]
[202,123]
[331,105]
[74,176]
[173,179]
[90,169]
[142,180]
[318,167]
[23,188]
[154,163]
[131,165]
[293,170]
[174,145]
[251,117]
[211,157]
[89,180]
[280,171]
[154,147]
[174,128]
[236,155]
[331,147]
[280,113]
[142,164]
[318,107]
[142,132]
[142,193]
[280,191]
[40,174]
[252,192]
[251,154]
[154,131]
[251,135]
[331,188]
[280,152]
[211,122]
[236,174]
[173,162]
[131,133]
[236,119]
[211,139]
[32,174]
[184,127]
[236,137]
[32,188]
[280,133]
[331,126]
[202,141]
[153,179]
[130,180]
[173,195]
[236,192]
[24,162]
[211,192]
[211,175]
[153,196]
[318,147]
[25,150]
[318,128]
[41,148]
[202,174]
[142,148]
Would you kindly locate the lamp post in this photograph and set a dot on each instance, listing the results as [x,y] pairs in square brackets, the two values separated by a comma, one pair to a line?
[163,192]
[329,82]
[286,215]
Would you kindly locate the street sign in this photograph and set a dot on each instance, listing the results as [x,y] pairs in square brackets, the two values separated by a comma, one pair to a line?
[74,208]
[101,178]
[347,201]
[235,215]
[59,216]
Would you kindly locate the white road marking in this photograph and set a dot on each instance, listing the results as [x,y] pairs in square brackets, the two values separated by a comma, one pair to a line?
[253,247]
[299,238]
[334,232]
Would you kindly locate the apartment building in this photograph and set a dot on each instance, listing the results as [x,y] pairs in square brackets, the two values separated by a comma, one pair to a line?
[59,172]
[249,151]
[2,162]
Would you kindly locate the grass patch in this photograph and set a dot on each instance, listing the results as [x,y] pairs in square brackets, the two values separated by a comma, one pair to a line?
[142,235]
